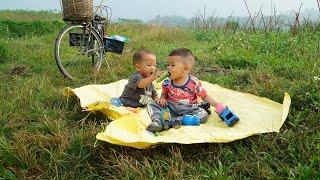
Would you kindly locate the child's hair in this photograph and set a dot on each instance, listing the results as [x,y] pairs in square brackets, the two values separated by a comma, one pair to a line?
[137,56]
[185,53]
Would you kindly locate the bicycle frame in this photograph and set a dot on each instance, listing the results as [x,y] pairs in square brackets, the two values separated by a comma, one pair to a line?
[86,39]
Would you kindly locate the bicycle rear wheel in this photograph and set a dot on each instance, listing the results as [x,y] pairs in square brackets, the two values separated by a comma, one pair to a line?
[79,52]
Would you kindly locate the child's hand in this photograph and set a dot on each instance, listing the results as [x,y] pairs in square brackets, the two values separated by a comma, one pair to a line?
[162,102]
[220,108]
[162,75]
[157,74]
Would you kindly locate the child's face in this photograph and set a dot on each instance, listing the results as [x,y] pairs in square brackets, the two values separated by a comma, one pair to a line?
[178,68]
[147,65]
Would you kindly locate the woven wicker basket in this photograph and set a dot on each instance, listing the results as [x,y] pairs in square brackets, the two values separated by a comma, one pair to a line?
[77,10]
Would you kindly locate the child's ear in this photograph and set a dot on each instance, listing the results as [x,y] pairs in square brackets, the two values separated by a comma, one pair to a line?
[187,67]
[137,66]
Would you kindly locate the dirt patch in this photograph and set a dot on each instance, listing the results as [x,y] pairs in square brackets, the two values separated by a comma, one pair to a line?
[211,70]
[264,78]
[19,70]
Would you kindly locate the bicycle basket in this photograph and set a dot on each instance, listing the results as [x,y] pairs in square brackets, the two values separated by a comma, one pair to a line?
[75,39]
[77,10]
[113,45]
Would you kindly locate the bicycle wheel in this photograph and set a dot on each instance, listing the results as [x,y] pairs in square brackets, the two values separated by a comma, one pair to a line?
[79,51]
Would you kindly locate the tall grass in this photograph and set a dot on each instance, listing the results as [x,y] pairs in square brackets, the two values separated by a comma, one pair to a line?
[28,15]
[14,29]
[41,134]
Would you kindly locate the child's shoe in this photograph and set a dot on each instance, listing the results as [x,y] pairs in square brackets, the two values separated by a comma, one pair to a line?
[175,122]
[190,120]
[206,106]
[155,126]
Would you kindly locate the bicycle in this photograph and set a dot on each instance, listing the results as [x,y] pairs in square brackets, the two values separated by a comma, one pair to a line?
[83,44]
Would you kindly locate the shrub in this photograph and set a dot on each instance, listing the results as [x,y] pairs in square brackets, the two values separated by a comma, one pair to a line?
[3,52]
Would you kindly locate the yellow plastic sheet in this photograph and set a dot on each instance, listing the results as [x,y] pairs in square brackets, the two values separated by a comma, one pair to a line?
[257,115]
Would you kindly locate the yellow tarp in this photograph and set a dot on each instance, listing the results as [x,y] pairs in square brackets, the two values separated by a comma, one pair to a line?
[257,115]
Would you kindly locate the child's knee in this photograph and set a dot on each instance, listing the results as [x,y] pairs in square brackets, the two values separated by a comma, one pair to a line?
[152,104]
[203,115]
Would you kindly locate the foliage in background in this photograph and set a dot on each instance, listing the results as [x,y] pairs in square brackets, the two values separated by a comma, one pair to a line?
[129,21]
[28,15]
[3,51]
[14,29]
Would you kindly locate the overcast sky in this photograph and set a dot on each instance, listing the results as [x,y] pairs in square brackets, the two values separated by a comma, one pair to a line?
[148,9]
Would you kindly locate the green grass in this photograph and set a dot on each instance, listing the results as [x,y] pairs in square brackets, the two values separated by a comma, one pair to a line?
[15,29]
[41,135]
[29,15]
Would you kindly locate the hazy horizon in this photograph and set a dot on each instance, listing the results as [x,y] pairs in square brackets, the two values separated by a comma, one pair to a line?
[148,9]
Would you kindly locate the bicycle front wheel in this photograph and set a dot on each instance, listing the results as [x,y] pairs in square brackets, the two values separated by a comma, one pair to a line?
[79,52]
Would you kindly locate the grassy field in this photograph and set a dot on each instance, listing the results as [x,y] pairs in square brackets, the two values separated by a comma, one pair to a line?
[40,133]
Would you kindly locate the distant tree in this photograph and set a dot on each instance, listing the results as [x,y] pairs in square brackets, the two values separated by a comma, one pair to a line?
[232,25]
[130,21]
[169,20]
